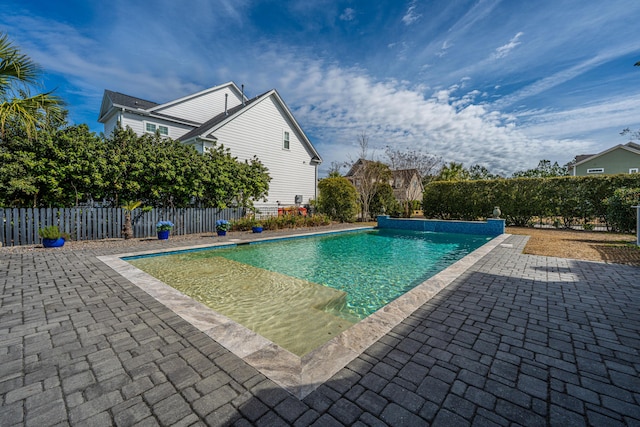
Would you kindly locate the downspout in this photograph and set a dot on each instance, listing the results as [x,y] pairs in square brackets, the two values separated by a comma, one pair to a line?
[315,183]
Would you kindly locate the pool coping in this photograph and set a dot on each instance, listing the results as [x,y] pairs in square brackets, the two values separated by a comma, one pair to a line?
[298,375]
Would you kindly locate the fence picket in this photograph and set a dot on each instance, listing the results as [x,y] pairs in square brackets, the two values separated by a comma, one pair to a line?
[19,226]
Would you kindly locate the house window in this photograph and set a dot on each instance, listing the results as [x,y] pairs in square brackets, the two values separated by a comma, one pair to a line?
[153,128]
[595,170]
[285,142]
[633,170]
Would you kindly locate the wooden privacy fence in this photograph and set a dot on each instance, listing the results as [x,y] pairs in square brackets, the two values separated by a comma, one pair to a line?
[20,226]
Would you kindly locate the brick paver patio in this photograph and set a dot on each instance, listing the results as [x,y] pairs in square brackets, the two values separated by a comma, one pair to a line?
[517,340]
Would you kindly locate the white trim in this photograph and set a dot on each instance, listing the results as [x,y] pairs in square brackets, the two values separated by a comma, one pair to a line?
[633,170]
[595,170]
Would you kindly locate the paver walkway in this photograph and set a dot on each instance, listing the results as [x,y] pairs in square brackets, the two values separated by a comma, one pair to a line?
[517,340]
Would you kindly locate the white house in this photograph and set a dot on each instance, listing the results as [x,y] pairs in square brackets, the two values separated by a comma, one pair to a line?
[262,126]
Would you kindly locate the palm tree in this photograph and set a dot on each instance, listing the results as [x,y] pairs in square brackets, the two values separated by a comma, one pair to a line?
[18,75]
[127,229]
[453,172]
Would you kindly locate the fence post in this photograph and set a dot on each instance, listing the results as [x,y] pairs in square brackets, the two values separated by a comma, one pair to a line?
[637,208]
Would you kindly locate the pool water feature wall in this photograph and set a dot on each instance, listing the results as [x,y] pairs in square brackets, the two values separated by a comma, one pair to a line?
[490,227]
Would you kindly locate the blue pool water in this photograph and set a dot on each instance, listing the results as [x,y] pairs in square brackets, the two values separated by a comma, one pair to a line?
[373,267]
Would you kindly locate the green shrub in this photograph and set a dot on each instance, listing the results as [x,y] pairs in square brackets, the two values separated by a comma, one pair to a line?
[338,199]
[575,200]
[384,202]
[620,214]
[52,232]
[281,222]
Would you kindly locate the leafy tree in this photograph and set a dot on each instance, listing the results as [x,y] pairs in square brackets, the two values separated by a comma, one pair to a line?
[544,170]
[477,172]
[173,172]
[620,214]
[18,79]
[126,172]
[384,202]
[338,199]
[367,180]
[227,182]
[453,172]
[58,168]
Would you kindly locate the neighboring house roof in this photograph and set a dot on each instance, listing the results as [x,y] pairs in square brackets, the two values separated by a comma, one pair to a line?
[630,146]
[404,176]
[356,167]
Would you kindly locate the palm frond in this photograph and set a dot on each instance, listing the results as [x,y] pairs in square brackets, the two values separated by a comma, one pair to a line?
[16,66]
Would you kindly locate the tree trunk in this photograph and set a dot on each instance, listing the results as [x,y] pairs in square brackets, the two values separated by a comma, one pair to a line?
[127,229]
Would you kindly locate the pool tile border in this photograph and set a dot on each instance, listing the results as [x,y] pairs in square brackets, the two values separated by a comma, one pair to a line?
[298,375]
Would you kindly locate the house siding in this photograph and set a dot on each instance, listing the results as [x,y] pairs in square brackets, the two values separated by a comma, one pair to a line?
[615,162]
[138,124]
[201,108]
[259,131]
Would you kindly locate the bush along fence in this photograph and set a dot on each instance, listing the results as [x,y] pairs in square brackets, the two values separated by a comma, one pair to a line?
[20,226]
[575,200]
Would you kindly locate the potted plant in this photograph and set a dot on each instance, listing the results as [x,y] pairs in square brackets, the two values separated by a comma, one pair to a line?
[164,228]
[222,226]
[257,228]
[52,237]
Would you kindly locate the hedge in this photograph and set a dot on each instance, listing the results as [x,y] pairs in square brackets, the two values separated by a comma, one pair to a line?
[575,199]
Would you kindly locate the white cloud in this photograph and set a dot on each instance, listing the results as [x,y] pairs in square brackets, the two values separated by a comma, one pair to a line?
[411,16]
[334,104]
[348,14]
[504,50]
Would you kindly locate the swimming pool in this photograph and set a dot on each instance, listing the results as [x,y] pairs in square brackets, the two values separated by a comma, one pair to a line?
[300,293]
[299,375]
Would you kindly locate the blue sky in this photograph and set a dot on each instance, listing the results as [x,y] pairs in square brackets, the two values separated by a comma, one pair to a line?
[497,83]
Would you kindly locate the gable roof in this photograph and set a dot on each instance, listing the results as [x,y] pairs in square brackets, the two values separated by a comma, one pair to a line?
[116,100]
[405,175]
[230,85]
[206,130]
[212,123]
[630,146]
[356,167]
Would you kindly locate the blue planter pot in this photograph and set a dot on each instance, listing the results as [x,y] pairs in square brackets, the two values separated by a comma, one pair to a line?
[221,232]
[257,229]
[53,243]
[163,235]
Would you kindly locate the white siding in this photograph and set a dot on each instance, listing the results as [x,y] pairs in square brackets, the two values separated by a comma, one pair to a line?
[202,107]
[259,131]
[110,124]
[137,123]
